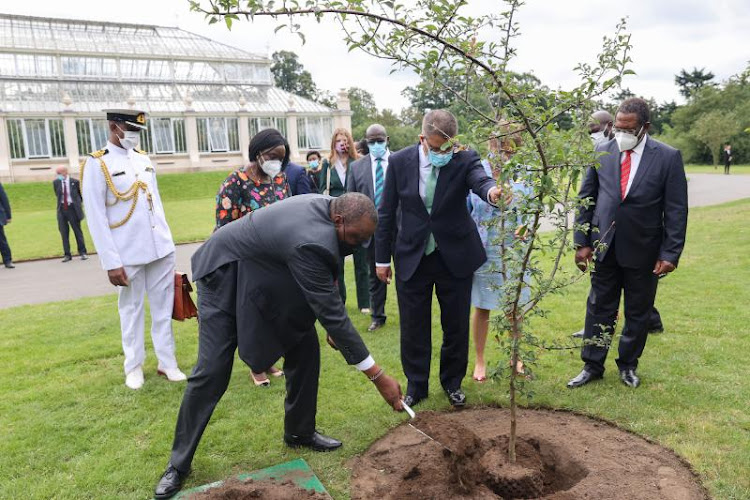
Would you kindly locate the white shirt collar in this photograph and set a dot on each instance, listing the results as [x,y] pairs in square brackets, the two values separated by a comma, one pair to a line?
[115,149]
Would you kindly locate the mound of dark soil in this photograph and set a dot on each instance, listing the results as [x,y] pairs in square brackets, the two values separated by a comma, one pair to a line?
[234,489]
[559,456]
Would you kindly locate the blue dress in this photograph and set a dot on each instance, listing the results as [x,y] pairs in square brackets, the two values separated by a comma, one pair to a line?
[486,290]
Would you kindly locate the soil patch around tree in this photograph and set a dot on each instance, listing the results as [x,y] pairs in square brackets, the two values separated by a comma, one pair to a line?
[560,456]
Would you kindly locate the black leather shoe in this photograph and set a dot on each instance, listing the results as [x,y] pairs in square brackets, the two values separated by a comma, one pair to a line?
[10,265]
[655,329]
[170,483]
[412,401]
[316,442]
[375,325]
[629,378]
[67,258]
[84,256]
[583,378]
[578,334]
[456,398]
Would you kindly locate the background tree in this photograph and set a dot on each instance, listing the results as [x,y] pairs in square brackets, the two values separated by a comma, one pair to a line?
[290,75]
[689,83]
[713,129]
[437,40]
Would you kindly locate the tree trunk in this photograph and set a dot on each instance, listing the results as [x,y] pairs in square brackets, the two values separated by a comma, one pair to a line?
[515,333]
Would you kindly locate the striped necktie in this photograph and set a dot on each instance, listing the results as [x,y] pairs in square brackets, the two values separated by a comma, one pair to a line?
[379,177]
[625,173]
[429,195]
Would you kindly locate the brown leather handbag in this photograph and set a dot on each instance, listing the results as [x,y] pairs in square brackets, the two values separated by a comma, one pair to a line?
[184,307]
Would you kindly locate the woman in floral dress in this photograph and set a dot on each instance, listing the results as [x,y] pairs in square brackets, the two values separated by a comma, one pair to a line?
[256,185]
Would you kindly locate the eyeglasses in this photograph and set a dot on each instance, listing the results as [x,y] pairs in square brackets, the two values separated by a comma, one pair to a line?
[445,148]
[627,130]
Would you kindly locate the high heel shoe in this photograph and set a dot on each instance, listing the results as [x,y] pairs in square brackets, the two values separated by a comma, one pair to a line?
[262,382]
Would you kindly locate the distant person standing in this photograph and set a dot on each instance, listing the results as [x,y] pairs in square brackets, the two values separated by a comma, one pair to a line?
[600,127]
[727,157]
[367,176]
[69,211]
[313,168]
[5,220]
[133,240]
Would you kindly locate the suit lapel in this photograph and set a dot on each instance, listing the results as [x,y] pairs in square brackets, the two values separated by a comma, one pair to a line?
[649,153]
[412,176]
[443,181]
[367,177]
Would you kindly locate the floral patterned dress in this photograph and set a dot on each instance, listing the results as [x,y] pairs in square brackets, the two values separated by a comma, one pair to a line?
[239,195]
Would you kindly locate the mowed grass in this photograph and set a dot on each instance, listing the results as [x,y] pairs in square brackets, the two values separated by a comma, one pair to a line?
[189,202]
[709,169]
[70,428]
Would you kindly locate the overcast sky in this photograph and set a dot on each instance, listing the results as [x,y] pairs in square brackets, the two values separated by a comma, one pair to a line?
[667,35]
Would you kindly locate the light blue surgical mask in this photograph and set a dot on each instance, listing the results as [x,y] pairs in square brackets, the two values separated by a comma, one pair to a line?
[61,177]
[377,149]
[313,164]
[439,160]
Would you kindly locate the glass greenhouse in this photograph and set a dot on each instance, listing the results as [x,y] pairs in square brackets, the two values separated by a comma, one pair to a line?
[205,99]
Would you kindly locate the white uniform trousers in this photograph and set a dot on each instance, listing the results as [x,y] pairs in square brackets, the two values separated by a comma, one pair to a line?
[157,280]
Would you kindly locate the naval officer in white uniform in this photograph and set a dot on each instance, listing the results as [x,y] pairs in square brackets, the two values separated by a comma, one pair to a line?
[133,240]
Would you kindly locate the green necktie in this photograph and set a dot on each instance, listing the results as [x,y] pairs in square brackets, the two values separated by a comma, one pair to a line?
[429,194]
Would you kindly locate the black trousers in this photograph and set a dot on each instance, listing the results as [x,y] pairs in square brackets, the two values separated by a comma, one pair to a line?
[210,378]
[4,247]
[66,219]
[608,281]
[378,289]
[415,307]
[361,278]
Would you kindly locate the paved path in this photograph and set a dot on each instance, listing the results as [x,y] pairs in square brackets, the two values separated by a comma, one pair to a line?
[50,280]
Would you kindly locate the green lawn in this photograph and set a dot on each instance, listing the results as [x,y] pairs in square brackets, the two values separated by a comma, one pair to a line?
[70,428]
[709,169]
[188,202]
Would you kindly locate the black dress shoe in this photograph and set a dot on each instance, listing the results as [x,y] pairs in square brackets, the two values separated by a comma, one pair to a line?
[629,378]
[10,265]
[583,378]
[655,329]
[84,256]
[67,258]
[316,442]
[457,398]
[170,483]
[578,334]
[375,325]
[412,401]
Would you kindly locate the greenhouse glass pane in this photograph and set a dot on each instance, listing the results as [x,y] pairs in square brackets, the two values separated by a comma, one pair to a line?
[101,133]
[36,139]
[178,126]
[217,134]
[83,136]
[302,133]
[203,145]
[57,138]
[233,134]
[161,131]
[15,138]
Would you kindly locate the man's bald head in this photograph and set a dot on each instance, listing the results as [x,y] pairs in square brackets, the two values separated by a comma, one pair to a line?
[375,130]
[601,121]
[62,170]
[355,218]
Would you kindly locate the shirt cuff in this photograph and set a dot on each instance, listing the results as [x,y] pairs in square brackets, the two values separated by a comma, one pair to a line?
[382,264]
[365,364]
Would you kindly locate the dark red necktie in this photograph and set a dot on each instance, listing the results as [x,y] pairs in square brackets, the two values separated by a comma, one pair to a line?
[625,173]
[65,196]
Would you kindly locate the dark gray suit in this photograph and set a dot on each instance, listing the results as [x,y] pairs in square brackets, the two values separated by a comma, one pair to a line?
[360,180]
[70,215]
[5,216]
[648,225]
[262,282]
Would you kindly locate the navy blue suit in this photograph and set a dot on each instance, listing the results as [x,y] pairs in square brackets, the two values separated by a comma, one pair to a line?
[4,218]
[648,225]
[299,182]
[448,270]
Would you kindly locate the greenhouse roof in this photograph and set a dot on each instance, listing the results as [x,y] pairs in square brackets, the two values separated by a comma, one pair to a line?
[40,34]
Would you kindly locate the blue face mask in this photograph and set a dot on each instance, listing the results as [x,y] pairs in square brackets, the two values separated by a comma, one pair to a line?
[377,149]
[439,160]
[313,164]
[60,176]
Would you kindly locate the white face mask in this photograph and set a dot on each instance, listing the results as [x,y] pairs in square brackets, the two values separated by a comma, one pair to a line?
[130,139]
[597,137]
[626,140]
[271,167]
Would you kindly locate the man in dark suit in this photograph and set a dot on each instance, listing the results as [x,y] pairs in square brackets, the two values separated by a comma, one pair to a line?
[367,176]
[437,246]
[299,182]
[69,211]
[5,220]
[637,215]
[262,282]
[727,157]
